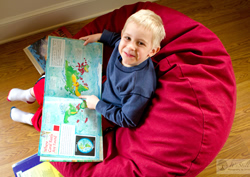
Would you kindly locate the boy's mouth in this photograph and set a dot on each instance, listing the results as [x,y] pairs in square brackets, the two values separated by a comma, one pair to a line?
[129,55]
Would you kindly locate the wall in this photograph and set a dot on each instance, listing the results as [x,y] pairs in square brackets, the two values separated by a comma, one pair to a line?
[22,18]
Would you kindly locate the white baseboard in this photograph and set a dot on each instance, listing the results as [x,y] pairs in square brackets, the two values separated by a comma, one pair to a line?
[54,16]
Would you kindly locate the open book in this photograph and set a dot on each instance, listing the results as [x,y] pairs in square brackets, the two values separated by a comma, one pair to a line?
[70,131]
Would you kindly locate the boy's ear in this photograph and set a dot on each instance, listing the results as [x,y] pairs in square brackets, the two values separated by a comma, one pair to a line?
[154,51]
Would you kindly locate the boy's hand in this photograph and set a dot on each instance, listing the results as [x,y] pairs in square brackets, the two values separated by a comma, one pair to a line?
[91,100]
[91,38]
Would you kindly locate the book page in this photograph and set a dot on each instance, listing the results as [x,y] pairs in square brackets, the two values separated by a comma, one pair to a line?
[73,69]
[67,140]
[71,131]
[57,49]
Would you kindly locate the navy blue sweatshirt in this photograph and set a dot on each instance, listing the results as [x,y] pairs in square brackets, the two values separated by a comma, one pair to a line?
[127,90]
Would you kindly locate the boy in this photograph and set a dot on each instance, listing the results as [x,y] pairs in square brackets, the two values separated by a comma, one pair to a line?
[131,79]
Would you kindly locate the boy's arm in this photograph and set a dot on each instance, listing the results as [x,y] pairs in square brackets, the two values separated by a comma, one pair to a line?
[128,115]
[109,38]
[91,38]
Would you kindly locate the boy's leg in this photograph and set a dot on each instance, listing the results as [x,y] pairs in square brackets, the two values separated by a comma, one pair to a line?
[16,94]
[21,116]
[25,96]
[37,119]
[38,92]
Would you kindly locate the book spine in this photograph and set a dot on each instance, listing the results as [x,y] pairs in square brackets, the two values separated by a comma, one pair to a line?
[33,60]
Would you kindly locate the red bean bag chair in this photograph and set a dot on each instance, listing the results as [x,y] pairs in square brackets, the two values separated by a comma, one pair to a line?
[191,114]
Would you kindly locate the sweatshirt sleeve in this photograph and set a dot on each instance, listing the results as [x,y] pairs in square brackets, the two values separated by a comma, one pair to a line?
[128,115]
[109,38]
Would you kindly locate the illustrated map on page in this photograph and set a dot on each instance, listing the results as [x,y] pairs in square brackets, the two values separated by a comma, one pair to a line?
[70,131]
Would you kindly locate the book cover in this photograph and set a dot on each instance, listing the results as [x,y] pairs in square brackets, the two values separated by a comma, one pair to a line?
[32,166]
[70,131]
[37,52]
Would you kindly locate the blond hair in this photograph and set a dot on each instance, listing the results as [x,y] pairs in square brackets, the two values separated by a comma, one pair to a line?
[150,21]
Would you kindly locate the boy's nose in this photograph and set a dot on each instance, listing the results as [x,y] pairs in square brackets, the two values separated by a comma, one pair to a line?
[132,46]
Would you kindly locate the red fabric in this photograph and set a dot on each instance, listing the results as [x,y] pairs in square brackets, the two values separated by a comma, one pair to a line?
[191,114]
[39,92]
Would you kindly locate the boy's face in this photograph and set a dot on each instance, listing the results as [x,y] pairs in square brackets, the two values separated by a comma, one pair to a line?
[136,45]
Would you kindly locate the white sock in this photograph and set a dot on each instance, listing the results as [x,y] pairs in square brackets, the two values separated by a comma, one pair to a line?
[20,116]
[16,94]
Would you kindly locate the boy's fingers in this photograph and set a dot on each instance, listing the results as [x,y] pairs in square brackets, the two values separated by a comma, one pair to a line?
[83,38]
[82,96]
[85,43]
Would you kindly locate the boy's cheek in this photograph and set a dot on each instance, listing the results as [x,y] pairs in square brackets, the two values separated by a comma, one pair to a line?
[120,47]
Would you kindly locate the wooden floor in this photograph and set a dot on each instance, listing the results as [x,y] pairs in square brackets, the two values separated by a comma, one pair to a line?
[228,19]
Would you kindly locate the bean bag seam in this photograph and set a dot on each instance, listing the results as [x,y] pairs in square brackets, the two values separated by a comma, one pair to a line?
[203,133]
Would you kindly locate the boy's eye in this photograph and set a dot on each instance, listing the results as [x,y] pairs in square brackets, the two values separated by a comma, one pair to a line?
[141,43]
[127,38]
